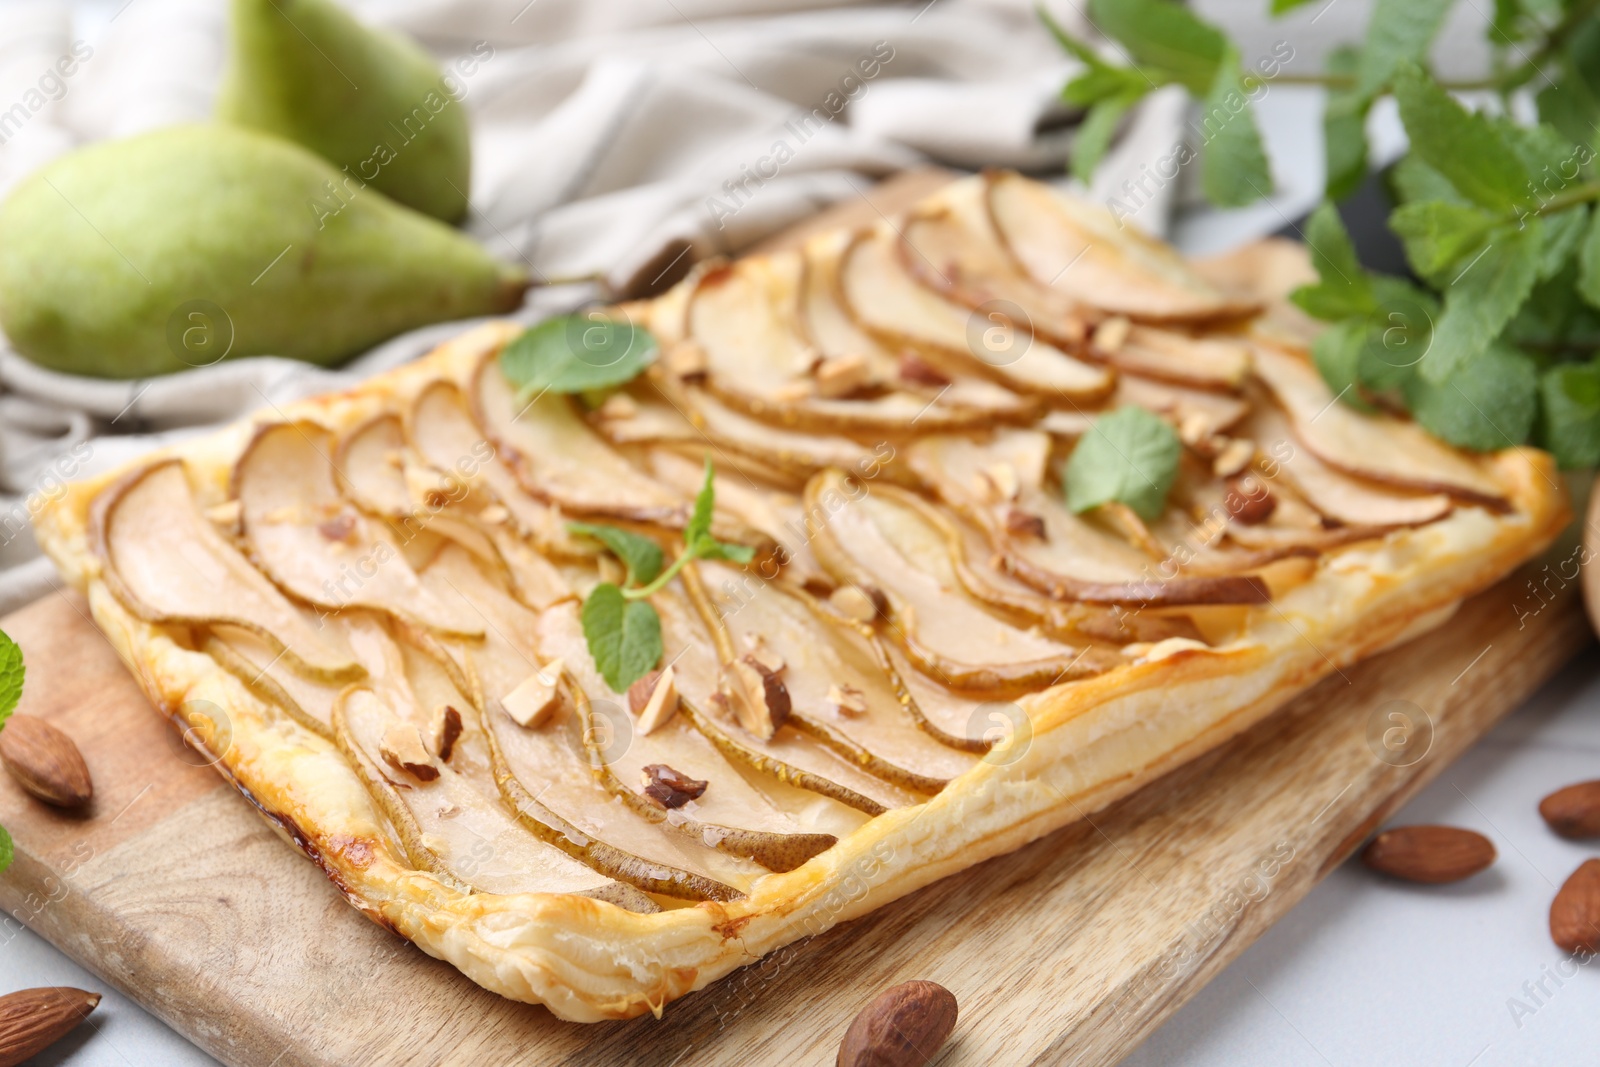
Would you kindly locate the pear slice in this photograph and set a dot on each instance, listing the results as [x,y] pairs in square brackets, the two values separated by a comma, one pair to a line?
[1196,413]
[1081,251]
[1380,447]
[559,460]
[894,307]
[167,564]
[944,631]
[1073,559]
[305,537]
[261,667]
[1216,362]
[947,400]
[838,689]
[731,818]
[1339,496]
[449,827]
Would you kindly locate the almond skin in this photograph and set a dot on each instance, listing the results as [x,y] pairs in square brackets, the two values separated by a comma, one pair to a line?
[1575,912]
[1574,811]
[45,762]
[904,1027]
[31,1020]
[1429,854]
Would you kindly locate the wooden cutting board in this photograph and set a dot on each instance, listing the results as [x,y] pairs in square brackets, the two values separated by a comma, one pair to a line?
[1067,951]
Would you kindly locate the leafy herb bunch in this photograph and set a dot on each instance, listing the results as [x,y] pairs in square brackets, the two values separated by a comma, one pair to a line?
[1492,342]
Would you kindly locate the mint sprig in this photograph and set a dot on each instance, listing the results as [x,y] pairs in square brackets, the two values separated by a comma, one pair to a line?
[621,627]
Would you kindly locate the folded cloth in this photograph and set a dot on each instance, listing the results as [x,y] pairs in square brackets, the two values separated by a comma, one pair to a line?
[615,142]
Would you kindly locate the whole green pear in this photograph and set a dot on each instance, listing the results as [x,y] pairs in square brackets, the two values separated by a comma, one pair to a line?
[190,244]
[359,96]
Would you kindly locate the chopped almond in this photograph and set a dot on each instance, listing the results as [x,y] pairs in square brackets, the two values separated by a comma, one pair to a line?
[1234,457]
[444,730]
[225,513]
[669,788]
[618,406]
[846,700]
[639,692]
[1112,334]
[532,703]
[662,704]
[760,700]
[494,514]
[861,603]
[793,392]
[841,376]
[402,749]
[913,368]
[1001,482]
[338,528]
[1025,524]
[1194,430]
[1249,500]
[762,655]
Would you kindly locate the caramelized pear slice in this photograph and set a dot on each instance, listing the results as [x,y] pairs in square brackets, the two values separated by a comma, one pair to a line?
[891,305]
[1376,446]
[941,629]
[1079,250]
[731,816]
[1337,495]
[449,827]
[1052,549]
[559,460]
[167,564]
[304,535]
[838,689]
[261,667]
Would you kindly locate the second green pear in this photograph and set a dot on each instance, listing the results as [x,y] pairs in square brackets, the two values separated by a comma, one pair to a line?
[190,244]
[367,100]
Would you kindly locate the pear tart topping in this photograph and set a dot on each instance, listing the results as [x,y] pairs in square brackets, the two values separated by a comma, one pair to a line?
[846,700]
[654,699]
[444,730]
[402,749]
[532,703]
[758,697]
[669,788]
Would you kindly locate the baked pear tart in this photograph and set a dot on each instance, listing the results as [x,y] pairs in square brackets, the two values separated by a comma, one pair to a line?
[900,549]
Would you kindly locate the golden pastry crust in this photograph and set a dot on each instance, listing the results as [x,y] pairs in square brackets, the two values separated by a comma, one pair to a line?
[1092,741]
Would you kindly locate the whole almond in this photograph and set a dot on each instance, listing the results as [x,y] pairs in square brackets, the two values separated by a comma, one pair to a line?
[31,1020]
[1431,854]
[904,1027]
[45,762]
[1575,912]
[1573,811]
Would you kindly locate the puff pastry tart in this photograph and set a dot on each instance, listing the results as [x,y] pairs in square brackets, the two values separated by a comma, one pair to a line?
[368,604]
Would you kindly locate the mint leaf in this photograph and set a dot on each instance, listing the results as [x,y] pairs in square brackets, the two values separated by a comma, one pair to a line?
[711,548]
[1337,354]
[1589,265]
[12,672]
[1437,234]
[8,851]
[1129,455]
[1487,404]
[1168,38]
[1283,7]
[638,553]
[624,636]
[1571,394]
[577,353]
[1094,135]
[1463,146]
[1411,179]
[1079,50]
[1344,129]
[1482,299]
[1344,289]
[1234,169]
[1563,231]
[1399,31]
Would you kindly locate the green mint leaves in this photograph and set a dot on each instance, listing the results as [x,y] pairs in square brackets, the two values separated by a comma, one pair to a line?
[622,629]
[1130,456]
[12,672]
[577,354]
